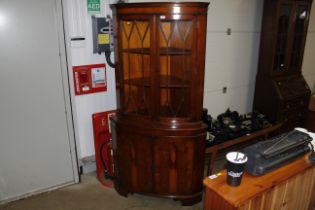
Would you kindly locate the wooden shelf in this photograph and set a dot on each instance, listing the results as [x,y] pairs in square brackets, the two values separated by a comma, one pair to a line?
[165,82]
[172,82]
[163,51]
[145,81]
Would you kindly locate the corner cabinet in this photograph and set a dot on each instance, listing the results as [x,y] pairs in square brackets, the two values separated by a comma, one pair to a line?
[158,135]
[281,91]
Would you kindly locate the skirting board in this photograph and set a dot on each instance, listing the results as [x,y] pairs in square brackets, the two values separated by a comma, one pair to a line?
[36,192]
[87,165]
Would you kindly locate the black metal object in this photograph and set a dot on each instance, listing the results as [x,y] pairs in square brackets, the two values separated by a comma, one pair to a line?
[230,125]
[268,155]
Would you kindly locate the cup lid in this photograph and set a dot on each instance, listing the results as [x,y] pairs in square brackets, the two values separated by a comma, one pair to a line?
[236,157]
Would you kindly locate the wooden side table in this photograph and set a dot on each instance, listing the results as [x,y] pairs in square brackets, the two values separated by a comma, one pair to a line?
[213,150]
[289,187]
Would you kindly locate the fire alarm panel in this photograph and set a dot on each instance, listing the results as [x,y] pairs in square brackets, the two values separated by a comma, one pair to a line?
[89,79]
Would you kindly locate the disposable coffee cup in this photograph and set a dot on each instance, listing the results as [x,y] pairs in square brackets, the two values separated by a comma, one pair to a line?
[235,167]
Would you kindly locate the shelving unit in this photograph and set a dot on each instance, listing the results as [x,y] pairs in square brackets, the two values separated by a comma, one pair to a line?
[163,51]
[281,91]
[158,135]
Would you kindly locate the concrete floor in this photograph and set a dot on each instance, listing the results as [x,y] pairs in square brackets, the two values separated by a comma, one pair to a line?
[90,195]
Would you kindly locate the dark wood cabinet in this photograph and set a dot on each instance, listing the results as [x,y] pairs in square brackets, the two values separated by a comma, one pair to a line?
[281,91]
[310,122]
[158,135]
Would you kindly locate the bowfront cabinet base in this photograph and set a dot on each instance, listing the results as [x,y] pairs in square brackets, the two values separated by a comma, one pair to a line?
[153,160]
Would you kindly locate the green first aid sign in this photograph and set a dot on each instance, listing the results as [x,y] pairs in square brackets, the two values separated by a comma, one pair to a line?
[93,6]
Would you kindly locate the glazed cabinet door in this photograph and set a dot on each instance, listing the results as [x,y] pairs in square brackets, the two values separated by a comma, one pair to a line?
[135,74]
[176,63]
[292,22]
[283,20]
[300,22]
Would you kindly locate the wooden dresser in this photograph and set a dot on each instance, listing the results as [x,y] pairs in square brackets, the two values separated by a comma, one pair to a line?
[310,123]
[291,187]
[281,92]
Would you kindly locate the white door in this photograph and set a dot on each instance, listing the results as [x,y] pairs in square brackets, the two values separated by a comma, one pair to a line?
[36,135]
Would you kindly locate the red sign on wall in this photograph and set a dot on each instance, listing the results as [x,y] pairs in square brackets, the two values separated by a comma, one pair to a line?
[89,79]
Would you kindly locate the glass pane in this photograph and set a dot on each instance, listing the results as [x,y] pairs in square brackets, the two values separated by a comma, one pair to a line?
[174,102]
[299,35]
[135,41]
[282,37]
[136,100]
[175,39]
[135,35]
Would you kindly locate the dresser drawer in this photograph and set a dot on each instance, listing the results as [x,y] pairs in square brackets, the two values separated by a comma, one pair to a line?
[312,103]
[294,104]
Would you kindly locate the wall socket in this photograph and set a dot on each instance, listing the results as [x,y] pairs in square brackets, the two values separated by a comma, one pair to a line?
[224,89]
[229,31]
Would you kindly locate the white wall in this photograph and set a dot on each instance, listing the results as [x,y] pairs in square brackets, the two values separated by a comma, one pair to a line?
[78,24]
[231,61]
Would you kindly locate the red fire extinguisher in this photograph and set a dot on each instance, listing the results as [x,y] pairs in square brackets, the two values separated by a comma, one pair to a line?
[103,147]
[106,151]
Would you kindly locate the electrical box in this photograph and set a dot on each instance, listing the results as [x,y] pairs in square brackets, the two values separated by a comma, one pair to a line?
[103,35]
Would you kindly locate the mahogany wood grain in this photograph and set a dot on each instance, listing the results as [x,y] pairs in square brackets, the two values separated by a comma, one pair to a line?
[289,187]
[310,123]
[311,106]
[158,135]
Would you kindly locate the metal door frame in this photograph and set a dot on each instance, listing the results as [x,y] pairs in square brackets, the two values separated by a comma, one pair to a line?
[64,49]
